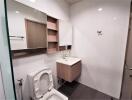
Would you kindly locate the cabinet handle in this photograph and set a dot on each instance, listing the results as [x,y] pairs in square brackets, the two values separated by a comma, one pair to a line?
[130,76]
[130,68]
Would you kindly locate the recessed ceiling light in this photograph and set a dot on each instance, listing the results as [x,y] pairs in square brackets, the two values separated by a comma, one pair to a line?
[17,12]
[33,1]
[100,9]
[114,18]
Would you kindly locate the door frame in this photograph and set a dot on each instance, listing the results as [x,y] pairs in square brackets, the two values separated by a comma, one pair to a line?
[124,69]
[9,50]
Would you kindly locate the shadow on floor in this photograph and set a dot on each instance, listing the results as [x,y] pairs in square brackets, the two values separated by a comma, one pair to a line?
[77,91]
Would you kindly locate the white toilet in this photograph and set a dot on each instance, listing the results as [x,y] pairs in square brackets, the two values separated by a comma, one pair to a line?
[41,86]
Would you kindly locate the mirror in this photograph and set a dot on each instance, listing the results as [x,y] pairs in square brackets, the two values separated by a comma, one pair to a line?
[27,26]
[65,33]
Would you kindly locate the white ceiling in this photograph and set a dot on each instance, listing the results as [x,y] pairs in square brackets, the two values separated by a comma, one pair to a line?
[72,1]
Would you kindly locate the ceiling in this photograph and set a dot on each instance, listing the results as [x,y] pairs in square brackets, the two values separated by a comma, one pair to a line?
[72,1]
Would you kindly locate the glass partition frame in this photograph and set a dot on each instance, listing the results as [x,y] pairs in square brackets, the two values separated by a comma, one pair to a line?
[5,55]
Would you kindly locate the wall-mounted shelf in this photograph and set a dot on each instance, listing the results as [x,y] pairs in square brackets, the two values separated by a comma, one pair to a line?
[52,41]
[52,35]
[52,38]
[52,50]
[62,48]
[27,52]
[52,23]
[52,30]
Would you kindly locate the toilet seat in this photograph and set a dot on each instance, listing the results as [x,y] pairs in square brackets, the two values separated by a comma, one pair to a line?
[54,95]
[37,83]
[41,86]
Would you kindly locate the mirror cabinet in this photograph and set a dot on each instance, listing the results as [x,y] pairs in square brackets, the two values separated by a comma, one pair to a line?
[31,30]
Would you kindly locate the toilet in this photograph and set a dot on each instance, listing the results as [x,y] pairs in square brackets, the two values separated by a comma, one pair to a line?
[41,86]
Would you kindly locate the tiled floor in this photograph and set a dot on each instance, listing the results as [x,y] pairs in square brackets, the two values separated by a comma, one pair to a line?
[77,91]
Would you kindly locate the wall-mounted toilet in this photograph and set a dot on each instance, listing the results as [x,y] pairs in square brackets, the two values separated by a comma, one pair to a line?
[41,86]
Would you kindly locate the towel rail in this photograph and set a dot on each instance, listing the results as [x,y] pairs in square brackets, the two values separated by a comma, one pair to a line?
[17,37]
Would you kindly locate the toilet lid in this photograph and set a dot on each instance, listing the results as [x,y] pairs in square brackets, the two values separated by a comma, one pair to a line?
[43,83]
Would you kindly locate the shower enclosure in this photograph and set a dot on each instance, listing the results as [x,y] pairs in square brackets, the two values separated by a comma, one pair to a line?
[7,91]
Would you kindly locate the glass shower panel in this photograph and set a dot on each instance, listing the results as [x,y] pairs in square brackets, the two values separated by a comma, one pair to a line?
[5,57]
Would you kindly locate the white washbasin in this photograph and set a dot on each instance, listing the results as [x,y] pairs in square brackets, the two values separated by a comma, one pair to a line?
[68,60]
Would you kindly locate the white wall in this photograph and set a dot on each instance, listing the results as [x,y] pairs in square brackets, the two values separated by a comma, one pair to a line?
[17,22]
[55,8]
[22,66]
[102,56]
[65,33]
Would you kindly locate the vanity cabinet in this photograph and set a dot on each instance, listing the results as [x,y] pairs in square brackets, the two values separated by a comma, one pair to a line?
[69,72]
[65,33]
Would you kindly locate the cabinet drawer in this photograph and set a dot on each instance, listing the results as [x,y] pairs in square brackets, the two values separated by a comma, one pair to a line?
[75,71]
[69,73]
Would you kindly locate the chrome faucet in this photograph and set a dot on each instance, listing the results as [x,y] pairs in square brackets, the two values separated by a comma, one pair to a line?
[64,55]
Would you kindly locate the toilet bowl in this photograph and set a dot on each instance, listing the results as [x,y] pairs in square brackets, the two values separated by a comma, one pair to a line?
[41,86]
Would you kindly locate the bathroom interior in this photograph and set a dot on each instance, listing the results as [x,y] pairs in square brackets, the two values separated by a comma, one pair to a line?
[70,49]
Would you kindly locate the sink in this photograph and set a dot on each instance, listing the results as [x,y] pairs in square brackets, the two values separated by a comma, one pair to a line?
[68,60]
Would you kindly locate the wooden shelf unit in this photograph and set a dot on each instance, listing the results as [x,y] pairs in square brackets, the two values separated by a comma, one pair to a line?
[53,50]
[52,47]
[52,23]
[52,35]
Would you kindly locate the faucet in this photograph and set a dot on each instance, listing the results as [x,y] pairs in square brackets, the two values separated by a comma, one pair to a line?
[64,53]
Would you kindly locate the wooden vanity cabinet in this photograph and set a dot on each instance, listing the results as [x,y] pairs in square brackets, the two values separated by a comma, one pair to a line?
[69,72]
